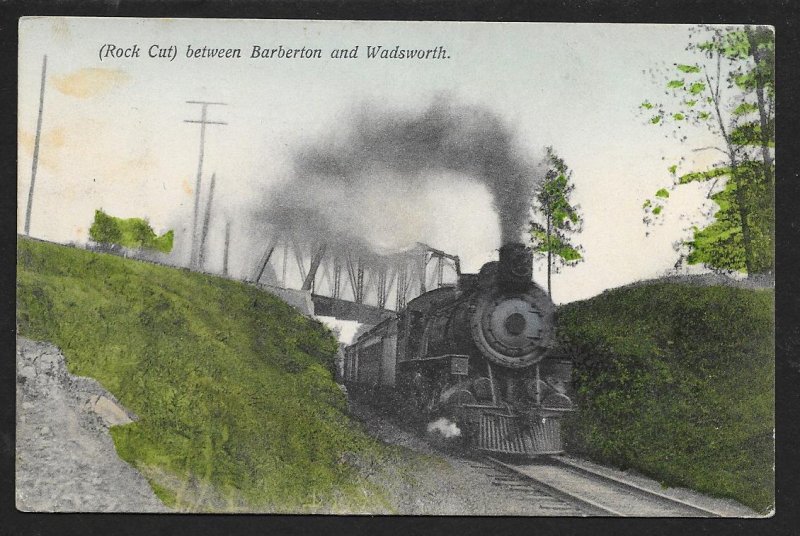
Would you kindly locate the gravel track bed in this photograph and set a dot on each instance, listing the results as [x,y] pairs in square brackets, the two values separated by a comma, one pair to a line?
[722,507]
[433,481]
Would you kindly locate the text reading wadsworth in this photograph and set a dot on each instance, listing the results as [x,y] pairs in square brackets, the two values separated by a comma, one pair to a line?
[112,51]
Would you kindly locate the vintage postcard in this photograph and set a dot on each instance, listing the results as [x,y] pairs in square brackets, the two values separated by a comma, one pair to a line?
[349,267]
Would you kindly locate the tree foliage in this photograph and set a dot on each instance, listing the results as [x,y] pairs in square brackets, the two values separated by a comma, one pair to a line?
[731,92]
[556,220]
[133,233]
[719,245]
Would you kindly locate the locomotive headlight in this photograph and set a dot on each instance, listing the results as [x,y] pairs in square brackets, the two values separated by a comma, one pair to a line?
[515,324]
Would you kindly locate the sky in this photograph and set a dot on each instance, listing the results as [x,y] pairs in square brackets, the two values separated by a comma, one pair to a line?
[114,135]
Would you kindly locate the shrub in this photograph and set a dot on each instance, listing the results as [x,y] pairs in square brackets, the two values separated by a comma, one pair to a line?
[677,381]
[133,233]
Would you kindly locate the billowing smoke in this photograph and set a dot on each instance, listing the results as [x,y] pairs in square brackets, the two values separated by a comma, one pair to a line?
[367,182]
[445,427]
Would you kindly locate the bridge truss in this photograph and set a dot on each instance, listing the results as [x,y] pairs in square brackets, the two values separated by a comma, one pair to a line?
[357,276]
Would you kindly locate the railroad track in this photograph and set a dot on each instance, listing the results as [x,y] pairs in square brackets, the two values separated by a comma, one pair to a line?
[522,489]
[580,491]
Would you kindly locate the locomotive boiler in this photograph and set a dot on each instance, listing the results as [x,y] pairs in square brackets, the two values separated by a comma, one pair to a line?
[477,353]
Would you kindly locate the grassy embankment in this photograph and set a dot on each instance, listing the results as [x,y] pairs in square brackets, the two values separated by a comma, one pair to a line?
[677,382]
[237,409]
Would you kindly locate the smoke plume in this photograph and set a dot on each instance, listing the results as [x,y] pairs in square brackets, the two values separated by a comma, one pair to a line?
[365,183]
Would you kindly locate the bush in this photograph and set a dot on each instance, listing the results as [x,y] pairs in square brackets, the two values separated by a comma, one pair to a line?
[133,233]
[677,382]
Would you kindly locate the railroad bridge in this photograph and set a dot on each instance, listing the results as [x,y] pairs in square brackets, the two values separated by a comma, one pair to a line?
[353,284]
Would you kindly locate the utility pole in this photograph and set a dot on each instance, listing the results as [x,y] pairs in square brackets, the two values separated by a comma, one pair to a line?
[203,121]
[227,246]
[206,222]
[35,163]
[285,256]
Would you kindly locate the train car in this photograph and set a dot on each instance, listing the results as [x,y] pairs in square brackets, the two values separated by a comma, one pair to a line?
[478,353]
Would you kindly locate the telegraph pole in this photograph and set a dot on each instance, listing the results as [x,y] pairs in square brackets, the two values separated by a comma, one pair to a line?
[227,245]
[206,220]
[35,163]
[203,122]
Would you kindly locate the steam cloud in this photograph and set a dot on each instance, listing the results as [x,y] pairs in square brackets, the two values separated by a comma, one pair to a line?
[445,427]
[365,183]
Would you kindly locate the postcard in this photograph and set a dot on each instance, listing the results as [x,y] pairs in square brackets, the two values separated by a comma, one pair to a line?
[365,267]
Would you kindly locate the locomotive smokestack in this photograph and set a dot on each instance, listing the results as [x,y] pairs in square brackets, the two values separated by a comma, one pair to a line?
[516,266]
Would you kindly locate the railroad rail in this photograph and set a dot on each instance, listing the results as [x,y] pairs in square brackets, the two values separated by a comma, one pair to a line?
[592,493]
[522,489]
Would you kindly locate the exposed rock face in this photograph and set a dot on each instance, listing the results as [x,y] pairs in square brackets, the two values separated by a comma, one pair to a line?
[112,413]
[65,458]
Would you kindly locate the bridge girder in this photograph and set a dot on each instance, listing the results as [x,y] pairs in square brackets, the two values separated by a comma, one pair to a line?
[369,276]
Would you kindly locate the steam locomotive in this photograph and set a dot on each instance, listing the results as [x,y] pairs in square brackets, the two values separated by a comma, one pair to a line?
[478,354]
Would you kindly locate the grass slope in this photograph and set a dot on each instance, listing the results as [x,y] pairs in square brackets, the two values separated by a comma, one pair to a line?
[237,408]
[677,382]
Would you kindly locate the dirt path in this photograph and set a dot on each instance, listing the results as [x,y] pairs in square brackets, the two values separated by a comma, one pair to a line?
[65,458]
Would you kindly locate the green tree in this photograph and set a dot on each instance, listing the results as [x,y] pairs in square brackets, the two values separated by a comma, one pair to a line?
[133,233]
[731,92]
[556,220]
[105,230]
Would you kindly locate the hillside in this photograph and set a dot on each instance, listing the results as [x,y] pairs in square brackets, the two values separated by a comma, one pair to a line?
[676,381]
[236,406]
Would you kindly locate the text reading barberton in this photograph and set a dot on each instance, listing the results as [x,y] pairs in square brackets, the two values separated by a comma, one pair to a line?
[170,52]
